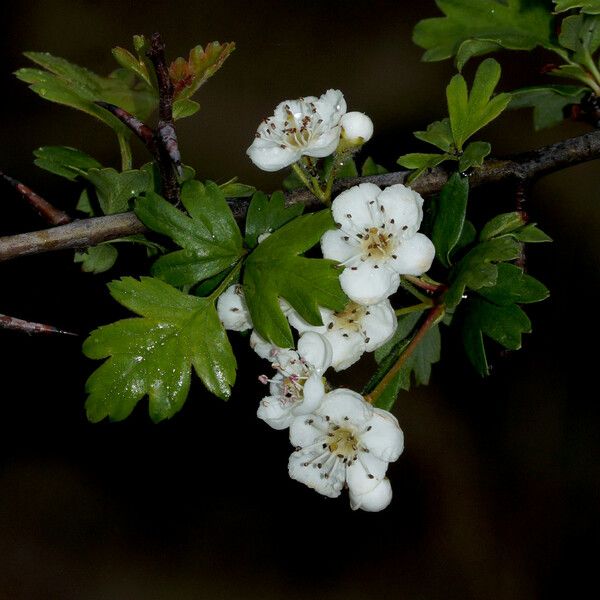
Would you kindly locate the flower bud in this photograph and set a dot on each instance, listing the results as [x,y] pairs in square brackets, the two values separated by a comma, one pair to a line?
[357,128]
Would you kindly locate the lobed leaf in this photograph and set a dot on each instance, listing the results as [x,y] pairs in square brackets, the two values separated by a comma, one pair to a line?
[97,259]
[591,7]
[64,161]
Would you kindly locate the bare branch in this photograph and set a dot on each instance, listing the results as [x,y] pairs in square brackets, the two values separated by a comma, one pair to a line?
[528,166]
[15,324]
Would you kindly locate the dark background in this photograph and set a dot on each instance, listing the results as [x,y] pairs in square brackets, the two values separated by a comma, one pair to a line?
[496,494]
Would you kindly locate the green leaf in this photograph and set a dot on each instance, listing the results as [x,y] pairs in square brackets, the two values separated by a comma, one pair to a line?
[513,286]
[531,234]
[591,7]
[275,270]
[154,355]
[423,160]
[138,66]
[64,161]
[438,134]
[470,48]
[473,155]
[233,189]
[406,324]
[478,267]
[501,225]
[97,259]
[266,216]
[68,84]
[469,112]
[209,236]
[84,204]
[347,170]
[512,24]
[188,75]
[580,34]
[184,108]
[467,236]
[548,102]
[450,217]
[116,190]
[370,167]
[503,324]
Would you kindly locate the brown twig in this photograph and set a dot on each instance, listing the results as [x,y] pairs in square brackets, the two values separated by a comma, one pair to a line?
[528,166]
[141,130]
[49,213]
[15,324]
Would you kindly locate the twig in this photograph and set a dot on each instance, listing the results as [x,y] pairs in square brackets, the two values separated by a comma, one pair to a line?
[7,322]
[49,213]
[530,166]
[141,130]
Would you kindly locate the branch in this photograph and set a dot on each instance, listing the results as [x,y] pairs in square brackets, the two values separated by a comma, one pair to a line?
[527,166]
[15,324]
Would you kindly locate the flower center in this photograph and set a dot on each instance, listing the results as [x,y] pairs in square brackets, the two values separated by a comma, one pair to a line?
[293,389]
[349,318]
[342,441]
[377,243]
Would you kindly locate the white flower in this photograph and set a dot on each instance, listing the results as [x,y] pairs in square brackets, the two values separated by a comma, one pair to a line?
[346,441]
[308,126]
[298,387]
[357,128]
[377,240]
[355,330]
[232,309]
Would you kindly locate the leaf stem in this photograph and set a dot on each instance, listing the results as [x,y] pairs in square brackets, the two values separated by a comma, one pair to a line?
[227,281]
[411,289]
[430,285]
[125,148]
[414,308]
[435,314]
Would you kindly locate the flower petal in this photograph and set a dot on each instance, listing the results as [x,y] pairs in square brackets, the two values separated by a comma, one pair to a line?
[348,346]
[311,476]
[298,323]
[323,144]
[263,348]
[303,433]
[413,256]
[270,155]
[356,203]
[338,245]
[316,351]
[367,285]
[232,309]
[379,325]
[331,106]
[404,206]
[314,391]
[375,500]
[274,413]
[384,439]
[365,473]
[345,405]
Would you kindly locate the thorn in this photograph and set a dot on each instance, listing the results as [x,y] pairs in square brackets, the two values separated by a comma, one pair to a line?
[15,324]
[140,129]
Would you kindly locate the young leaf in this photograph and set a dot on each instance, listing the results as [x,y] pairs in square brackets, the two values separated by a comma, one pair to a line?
[64,161]
[474,155]
[370,167]
[548,102]
[423,160]
[184,108]
[265,216]
[478,267]
[512,24]
[116,190]
[233,189]
[531,234]
[503,324]
[513,286]
[275,270]
[580,34]
[97,259]
[450,217]
[501,224]
[591,7]
[471,112]
[153,355]
[209,236]
[438,134]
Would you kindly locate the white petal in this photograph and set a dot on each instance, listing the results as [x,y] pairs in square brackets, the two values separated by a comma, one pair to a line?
[331,106]
[366,285]
[338,245]
[375,500]
[316,351]
[314,391]
[413,256]
[276,385]
[311,476]
[357,127]
[323,144]
[404,206]
[263,348]
[270,155]
[274,413]
[232,309]
[303,433]
[379,325]
[356,203]
[365,473]
[384,439]
[342,403]
[348,346]
[301,325]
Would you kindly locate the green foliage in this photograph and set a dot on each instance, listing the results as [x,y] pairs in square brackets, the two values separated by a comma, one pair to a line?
[209,237]
[140,64]
[64,161]
[115,191]
[234,189]
[450,217]
[153,355]
[473,155]
[548,102]
[513,286]
[65,83]
[370,167]
[266,215]
[512,223]
[580,34]
[417,366]
[474,27]
[591,7]
[276,270]
[97,259]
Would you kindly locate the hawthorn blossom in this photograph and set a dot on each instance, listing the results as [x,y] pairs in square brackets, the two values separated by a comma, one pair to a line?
[377,240]
[357,128]
[308,126]
[232,309]
[346,441]
[353,331]
[298,386]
